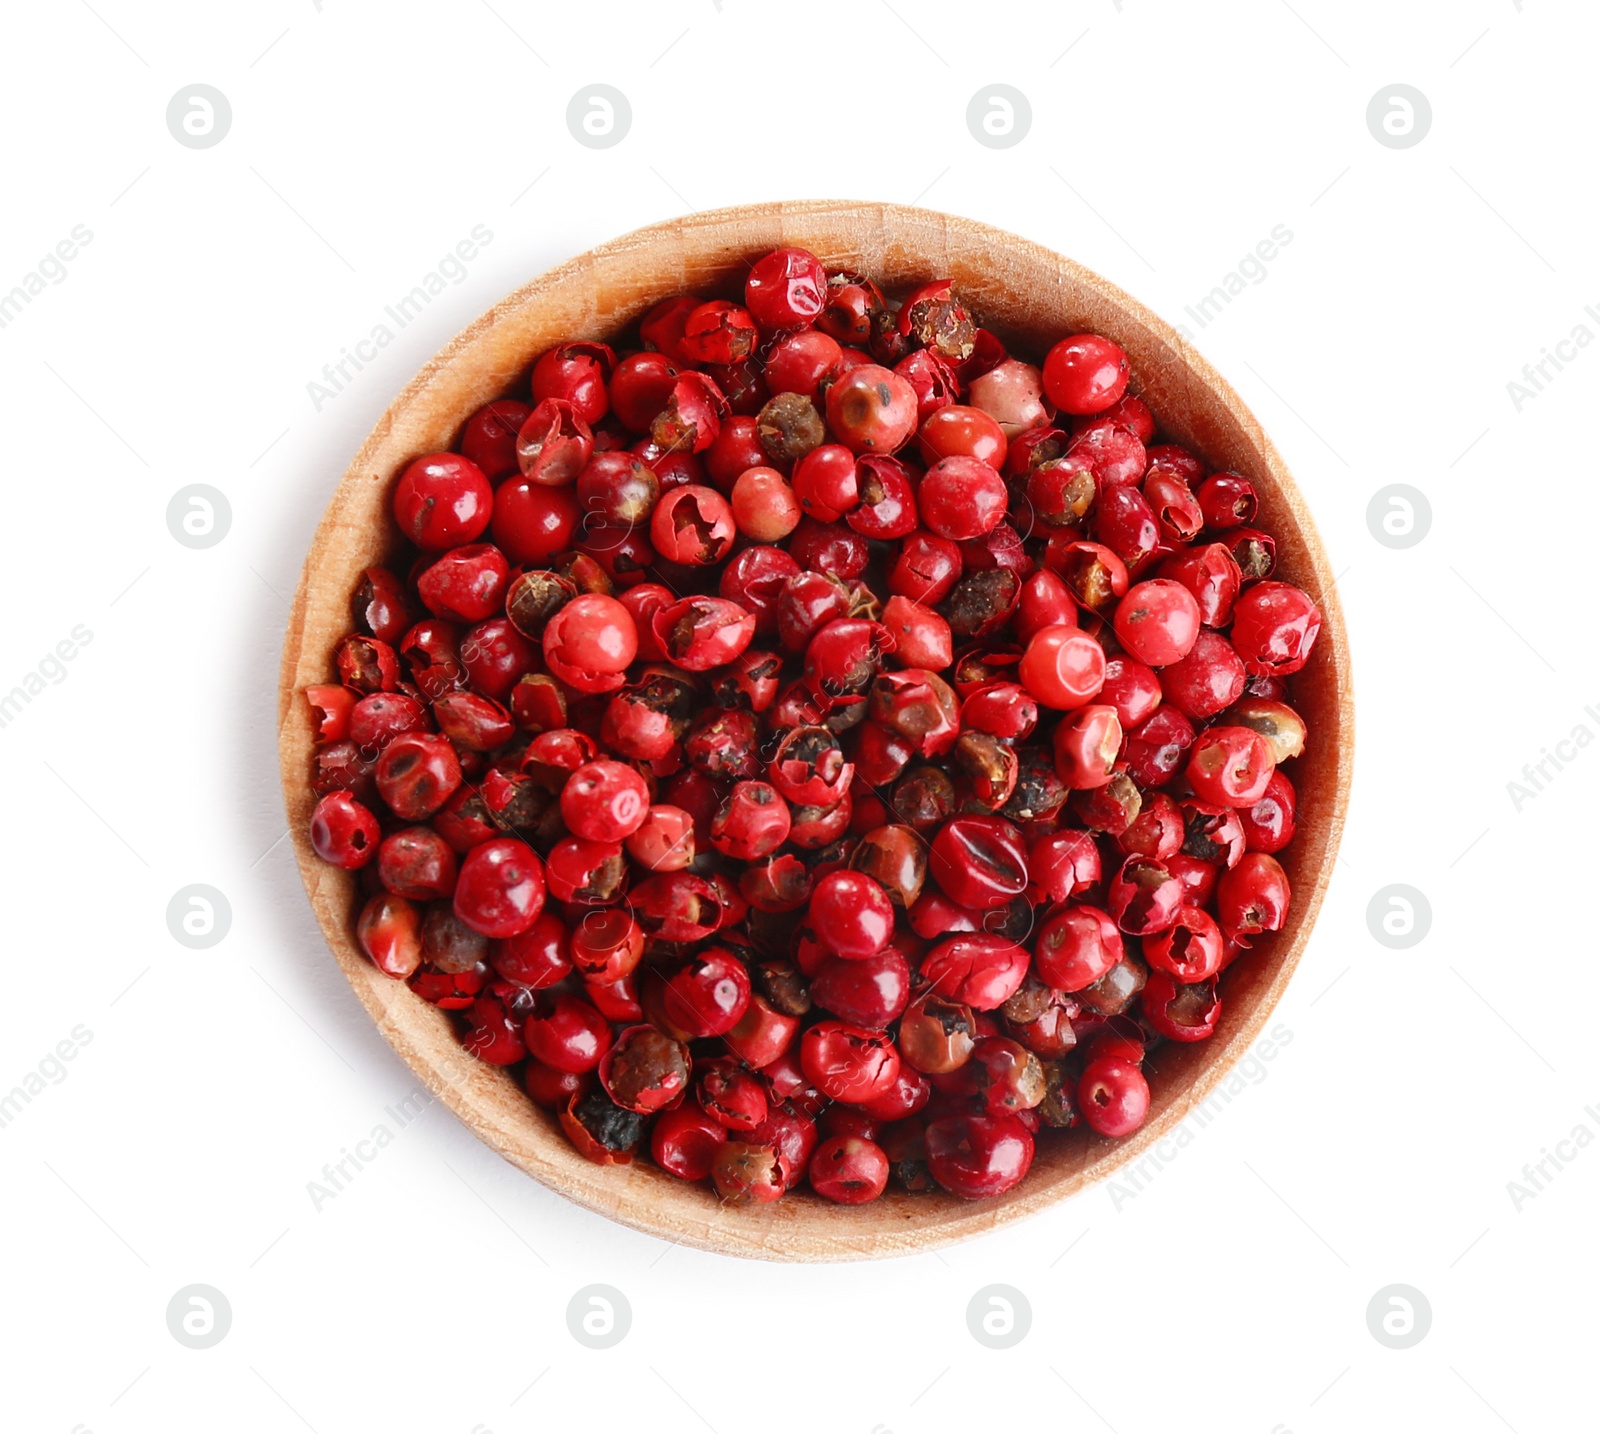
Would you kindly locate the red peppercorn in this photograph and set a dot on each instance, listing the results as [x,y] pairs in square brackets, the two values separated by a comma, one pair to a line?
[1063,667]
[1085,374]
[1113,1096]
[1076,947]
[466,584]
[979,1156]
[802,363]
[644,1071]
[851,915]
[568,1035]
[871,991]
[416,862]
[1180,1012]
[1275,626]
[1012,393]
[532,521]
[1158,622]
[684,1142]
[1230,766]
[693,525]
[1269,824]
[604,801]
[847,1062]
[537,957]
[500,890]
[786,288]
[754,822]
[442,500]
[958,430]
[417,774]
[490,437]
[962,497]
[554,444]
[1226,500]
[389,930]
[1144,895]
[1252,897]
[1086,746]
[707,995]
[589,643]
[344,832]
[979,862]
[1208,680]
[1191,949]
[849,1170]
[979,970]
[871,409]
[576,373]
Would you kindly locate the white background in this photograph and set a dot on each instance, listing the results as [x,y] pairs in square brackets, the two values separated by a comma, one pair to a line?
[1167,139]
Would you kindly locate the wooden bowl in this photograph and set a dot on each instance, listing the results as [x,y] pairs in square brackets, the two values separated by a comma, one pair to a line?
[1030,296]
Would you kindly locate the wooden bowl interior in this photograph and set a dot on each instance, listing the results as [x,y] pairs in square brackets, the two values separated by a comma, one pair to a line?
[1030,296]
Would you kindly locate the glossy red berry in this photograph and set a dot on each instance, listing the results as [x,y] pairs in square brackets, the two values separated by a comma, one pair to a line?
[644,1071]
[684,1142]
[1113,1096]
[532,521]
[1191,949]
[466,584]
[846,1062]
[1158,622]
[604,801]
[1230,766]
[1269,824]
[568,1035]
[979,862]
[537,957]
[589,643]
[554,444]
[693,525]
[786,289]
[849,1170]
[1275,626]
[500,890]
[1063,667]
[977,969]
[979,1156]
[1208,680]
[442,500]
[344,832]
[962,498]
[1076,947]
[417,863]
[707,995]
[1252,897]
[1144,896]
[871,409]
[851,915]
[1085,374]
[1086,746]
[871,992]
[577,374]
[417,773]
[490,437]
[754,822]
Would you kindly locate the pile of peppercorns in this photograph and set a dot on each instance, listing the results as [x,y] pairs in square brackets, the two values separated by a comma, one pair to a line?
[816,744]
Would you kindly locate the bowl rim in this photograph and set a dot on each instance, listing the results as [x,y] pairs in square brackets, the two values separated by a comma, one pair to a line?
[466,1089]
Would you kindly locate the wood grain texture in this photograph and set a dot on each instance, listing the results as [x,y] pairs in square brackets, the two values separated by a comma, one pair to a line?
[1030,296]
